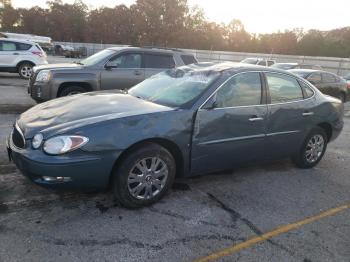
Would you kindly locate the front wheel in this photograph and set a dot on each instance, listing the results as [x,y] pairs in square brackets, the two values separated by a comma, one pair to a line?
[144,176]
[72,90]
[312,150]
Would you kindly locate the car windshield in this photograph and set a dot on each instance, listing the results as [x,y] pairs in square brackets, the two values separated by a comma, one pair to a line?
[283,66]
[252,61]
[91,60]
[174,87]
[347,77]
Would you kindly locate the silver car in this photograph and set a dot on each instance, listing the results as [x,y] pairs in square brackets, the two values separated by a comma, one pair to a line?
[112,68]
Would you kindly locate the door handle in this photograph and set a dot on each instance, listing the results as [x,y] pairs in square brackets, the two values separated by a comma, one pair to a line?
[15,53]
[137,72]
[255,118]
[308,113]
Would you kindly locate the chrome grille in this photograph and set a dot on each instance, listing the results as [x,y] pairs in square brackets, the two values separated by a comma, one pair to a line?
[18,137]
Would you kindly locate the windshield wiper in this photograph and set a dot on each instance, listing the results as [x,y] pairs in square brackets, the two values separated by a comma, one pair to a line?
[78,62]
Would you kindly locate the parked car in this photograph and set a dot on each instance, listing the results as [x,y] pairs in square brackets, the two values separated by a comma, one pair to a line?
[112,68]
[258,61]
[328,83]
[347,78]
[187,121]
[20,56]
[288,66]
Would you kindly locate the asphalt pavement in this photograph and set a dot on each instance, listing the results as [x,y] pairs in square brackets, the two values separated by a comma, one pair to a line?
[265,212]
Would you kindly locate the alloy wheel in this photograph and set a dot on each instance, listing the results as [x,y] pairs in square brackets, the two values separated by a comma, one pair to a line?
[26,71]
[147,178]
[314,148]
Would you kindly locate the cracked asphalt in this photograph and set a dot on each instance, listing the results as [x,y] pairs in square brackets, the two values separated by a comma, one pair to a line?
[198,217]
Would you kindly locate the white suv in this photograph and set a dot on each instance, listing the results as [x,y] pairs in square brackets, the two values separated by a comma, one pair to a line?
[17,56]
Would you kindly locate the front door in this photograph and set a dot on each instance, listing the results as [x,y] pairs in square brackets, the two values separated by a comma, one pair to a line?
[233,131]
[123,71]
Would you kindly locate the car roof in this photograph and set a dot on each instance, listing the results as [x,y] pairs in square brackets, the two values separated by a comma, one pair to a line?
[229,67]
[286,64]
[306,70]
[150,49]
[17,40]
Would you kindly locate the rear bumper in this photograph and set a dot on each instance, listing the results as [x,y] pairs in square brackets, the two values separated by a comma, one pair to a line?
[86,171]
[337,127]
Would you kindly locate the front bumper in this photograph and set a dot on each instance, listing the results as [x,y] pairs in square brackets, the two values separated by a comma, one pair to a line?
[40,92]
[87,171]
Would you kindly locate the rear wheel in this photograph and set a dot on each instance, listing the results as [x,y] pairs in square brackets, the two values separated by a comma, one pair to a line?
[312,150]
[72,90]
[25,70]
[144,176]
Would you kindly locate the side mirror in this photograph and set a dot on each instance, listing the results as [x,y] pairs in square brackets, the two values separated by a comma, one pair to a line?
[110,65]
[211,103]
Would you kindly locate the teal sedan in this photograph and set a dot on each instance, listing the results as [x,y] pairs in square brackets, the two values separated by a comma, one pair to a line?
[187,121]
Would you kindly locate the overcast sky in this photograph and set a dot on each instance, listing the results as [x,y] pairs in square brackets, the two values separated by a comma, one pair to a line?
[258,16]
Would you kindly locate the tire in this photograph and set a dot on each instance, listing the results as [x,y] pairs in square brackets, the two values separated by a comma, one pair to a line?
[25,70]
[134,188]
[71,90]
[309,156]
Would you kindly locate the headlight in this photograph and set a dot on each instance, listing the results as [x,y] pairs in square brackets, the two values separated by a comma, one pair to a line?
[43,76]
[63,144]
[37,140]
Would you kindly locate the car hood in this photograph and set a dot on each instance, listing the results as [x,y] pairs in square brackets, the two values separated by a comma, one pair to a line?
[67,113]
[58,66]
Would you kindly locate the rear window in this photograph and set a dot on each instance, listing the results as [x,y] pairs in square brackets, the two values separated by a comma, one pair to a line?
[188,59]
[159,61]
[23,47]
[328,78]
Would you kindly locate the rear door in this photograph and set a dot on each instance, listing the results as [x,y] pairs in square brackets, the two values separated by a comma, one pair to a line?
[8,54]
[123,71]
[290,114]
[155,63]
[233,132]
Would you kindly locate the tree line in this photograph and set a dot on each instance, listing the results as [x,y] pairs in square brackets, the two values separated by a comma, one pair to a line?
[167,23]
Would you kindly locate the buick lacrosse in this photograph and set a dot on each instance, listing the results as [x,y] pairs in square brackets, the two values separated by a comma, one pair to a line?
[187,121]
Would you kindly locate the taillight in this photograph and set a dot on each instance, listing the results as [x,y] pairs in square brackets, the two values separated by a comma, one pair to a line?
[348,84]
[38,53]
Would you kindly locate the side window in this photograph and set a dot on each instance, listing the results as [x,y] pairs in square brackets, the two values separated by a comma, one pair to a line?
[159,61]
[126,61]
[328,78]
[23,47]
[262,63]
[270,62]
[188,59]
[241,90]
[314,78]
[283,88]
[8,46]
[308,90]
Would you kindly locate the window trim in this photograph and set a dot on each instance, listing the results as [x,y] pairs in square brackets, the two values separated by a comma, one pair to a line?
[157,54]
[263,101]
[266,92]
[320,73]
[288,102]
[327,73]
[126,53]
